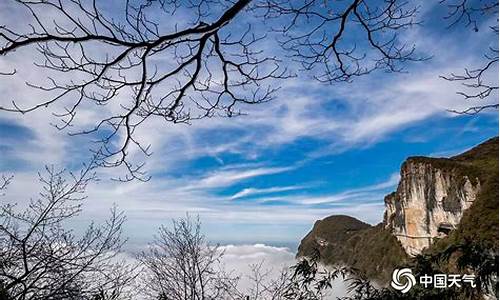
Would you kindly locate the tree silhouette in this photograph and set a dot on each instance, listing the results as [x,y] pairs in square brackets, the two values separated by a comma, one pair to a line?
[480,82]
[140,66]
[41,259]
[180,264]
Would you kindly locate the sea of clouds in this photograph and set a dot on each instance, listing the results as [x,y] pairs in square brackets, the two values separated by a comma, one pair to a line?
[238,259]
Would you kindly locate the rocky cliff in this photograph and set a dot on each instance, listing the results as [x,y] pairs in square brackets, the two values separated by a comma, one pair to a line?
[429,202]
[439,202]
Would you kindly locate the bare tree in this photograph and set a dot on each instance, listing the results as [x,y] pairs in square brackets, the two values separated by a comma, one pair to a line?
[180,61]
[264,285]
[209,65]
[184,74]
[181,264]
[41,259]
[319,35]
[481,82]
[4,182]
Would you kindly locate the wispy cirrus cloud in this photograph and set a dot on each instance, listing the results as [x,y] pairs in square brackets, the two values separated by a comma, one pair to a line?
[259,191]
[362,195]
[226,178]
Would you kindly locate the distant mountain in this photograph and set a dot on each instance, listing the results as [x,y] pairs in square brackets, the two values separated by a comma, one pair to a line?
[439,203]
[344,240]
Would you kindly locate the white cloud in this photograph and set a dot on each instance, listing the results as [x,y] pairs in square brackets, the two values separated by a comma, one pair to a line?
[358,195]
[238,256]
[256,191]
[273,259]
[230,177]
[389,183]
[239,259]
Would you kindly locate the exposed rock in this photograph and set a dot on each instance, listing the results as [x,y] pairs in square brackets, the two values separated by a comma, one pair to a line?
[429,202]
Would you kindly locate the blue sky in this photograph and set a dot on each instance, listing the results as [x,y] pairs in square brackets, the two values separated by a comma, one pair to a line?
[316,150]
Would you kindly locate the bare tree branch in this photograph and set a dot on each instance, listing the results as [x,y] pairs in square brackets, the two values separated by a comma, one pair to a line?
[481,82]
[4,182]
[40,259]
[319,35]
[198,69]
[471,13]
[196,72]
[180,264]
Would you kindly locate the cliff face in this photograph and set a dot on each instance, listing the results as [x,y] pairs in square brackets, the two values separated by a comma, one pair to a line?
[429,202]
